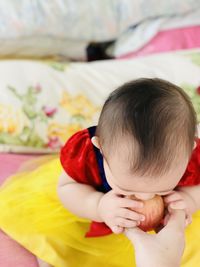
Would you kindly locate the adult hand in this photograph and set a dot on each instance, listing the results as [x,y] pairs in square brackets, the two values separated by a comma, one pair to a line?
[163,249]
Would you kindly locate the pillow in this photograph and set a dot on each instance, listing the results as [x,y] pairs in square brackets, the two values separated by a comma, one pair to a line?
[43,103]
[160,33]
[169,40]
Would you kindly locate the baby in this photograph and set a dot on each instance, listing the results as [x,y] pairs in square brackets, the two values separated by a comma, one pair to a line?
[145,135]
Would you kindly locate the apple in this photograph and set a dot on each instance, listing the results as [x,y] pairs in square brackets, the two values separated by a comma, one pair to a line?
[153,210]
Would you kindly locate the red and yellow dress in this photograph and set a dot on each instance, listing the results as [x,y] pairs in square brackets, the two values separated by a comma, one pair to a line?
[32,214]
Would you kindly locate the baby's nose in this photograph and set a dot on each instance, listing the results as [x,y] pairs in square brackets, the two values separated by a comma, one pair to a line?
[144,196]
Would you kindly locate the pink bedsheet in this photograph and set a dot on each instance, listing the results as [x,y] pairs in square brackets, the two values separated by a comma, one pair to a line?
[9,163]
[14,255]
[11,253]
[169,40]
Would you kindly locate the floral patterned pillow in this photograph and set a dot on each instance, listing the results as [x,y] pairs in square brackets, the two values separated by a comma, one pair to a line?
[36,124]
[43,103]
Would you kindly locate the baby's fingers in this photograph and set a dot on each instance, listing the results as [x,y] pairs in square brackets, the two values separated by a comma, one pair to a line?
[126,223]
[175,196]
[178,205]
[129,203]
[131,215]
[117,229]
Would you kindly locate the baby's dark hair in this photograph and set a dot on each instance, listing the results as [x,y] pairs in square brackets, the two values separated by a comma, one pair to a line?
[156,118]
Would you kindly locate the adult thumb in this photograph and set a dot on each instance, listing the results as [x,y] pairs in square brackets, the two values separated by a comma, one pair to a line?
[134,234]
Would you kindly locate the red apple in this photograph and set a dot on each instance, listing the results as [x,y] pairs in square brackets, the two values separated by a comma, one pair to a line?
[153,210]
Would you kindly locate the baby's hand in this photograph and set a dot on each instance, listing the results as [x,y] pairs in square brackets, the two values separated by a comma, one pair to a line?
[114,211]
[180,200]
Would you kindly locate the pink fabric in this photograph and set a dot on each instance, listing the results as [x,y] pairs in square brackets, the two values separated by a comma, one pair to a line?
[170,40]
[11,253]
[9,163]
[14,255]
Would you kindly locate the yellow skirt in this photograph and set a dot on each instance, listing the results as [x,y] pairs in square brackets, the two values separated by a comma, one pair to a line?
[31,213]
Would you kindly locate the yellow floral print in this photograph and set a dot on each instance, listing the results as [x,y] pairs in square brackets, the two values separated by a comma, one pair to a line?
[78,105]
[12,121]
[62,131]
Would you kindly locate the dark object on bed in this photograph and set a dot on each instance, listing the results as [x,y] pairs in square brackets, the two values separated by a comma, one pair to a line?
[97,51]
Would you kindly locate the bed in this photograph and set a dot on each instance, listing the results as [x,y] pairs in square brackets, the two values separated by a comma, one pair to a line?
[34,122]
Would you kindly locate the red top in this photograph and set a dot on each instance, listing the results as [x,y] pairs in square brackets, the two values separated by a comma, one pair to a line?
[80,162]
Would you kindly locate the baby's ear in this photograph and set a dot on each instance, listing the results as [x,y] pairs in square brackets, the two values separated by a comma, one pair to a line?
[95,141]
[194,146]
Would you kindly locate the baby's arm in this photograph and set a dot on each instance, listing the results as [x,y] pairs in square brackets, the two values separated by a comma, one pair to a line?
[111,208]
[79,198]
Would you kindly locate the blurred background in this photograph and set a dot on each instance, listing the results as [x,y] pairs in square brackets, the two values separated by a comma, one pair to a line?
[84,29]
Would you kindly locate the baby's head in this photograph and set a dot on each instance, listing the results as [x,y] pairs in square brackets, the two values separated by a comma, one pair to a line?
[146,133]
